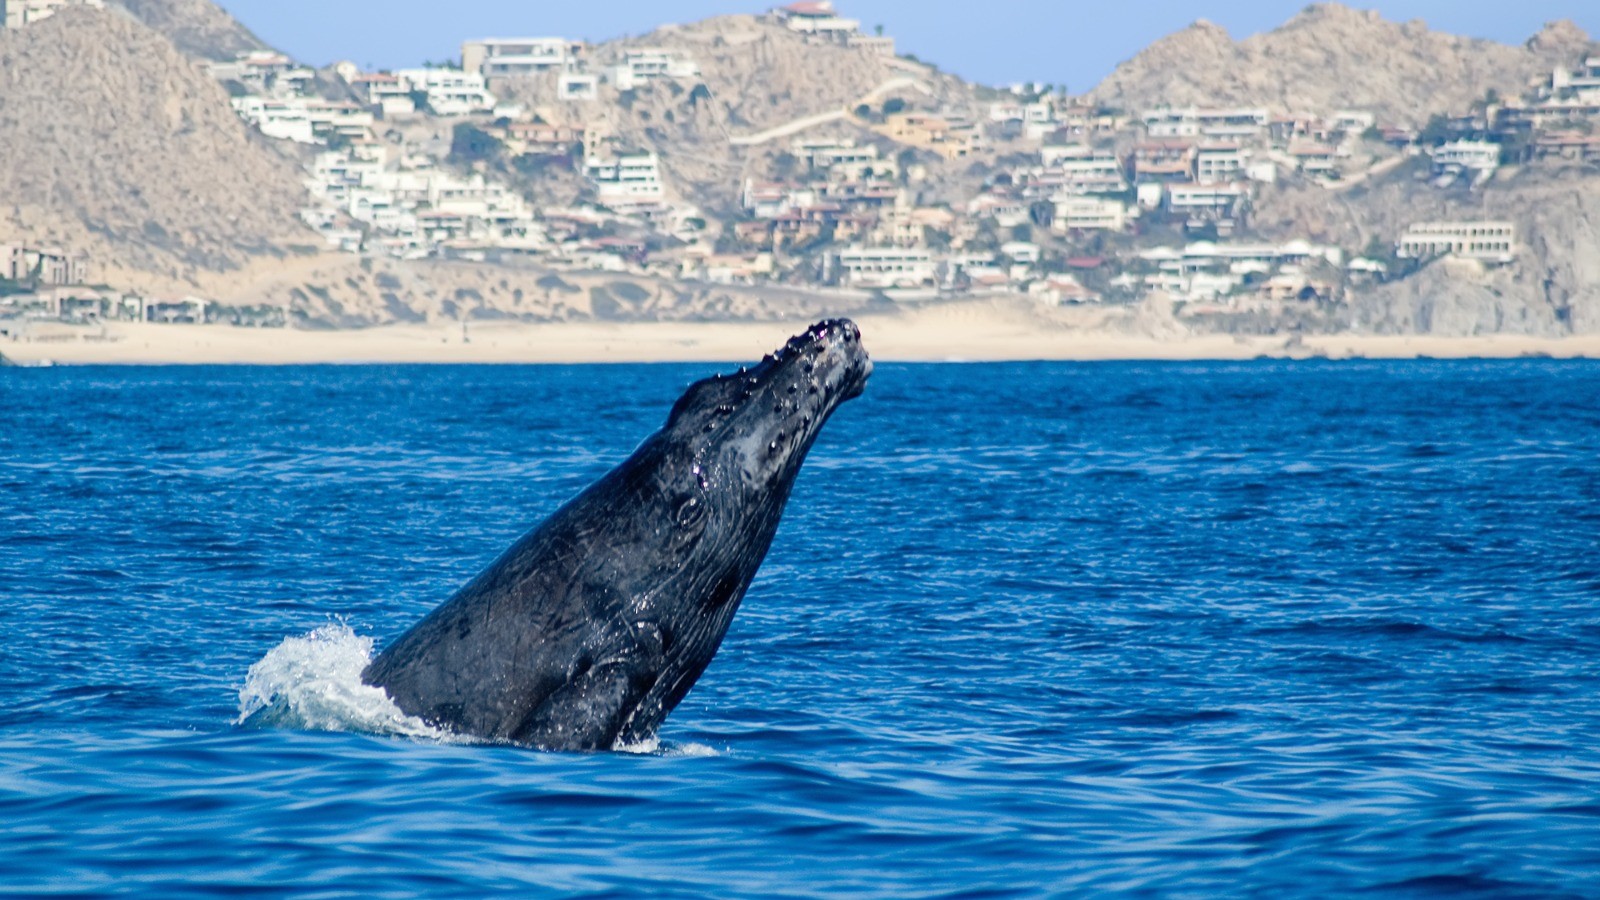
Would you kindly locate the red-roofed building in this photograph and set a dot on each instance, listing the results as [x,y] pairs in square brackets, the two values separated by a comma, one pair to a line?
[816,17]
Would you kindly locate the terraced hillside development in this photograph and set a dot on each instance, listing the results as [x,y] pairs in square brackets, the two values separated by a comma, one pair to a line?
[1339,173]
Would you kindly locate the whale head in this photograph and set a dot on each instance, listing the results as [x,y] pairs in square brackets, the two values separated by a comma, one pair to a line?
[748,432]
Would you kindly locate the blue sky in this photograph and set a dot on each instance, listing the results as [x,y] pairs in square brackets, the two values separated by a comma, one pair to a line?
[995,41]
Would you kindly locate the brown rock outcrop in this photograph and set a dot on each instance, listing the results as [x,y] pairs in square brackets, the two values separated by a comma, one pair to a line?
[1333,57]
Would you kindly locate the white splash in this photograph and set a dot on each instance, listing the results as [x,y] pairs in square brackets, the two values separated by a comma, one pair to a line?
[314,682]
[654,747]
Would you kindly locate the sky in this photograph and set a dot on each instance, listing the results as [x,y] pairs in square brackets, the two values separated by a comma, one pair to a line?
[995,42]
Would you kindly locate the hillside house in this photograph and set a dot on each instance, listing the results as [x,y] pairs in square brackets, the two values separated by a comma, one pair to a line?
[450,92]
[267,72]
[1090,214]
[1163,161]
[42,265]
[644,65]
[1220,163]
[1085,170]
[1575,146]
[626,181]
[1472,156]
[573,87]
[17,13]
[385,93]
[931,132]
[1582,84]
[520,57]
[817,18]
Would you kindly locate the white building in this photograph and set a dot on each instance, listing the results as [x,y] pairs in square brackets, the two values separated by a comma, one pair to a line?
[1219,163]
[266,72]
[17,13]
[887,267]
[1194,198]
[1487,242]
[639,67]
[386,93]
[573,87]
[628,180]
[520,57]
[1090,214]
[451,92]
[1477,156]
[817,17]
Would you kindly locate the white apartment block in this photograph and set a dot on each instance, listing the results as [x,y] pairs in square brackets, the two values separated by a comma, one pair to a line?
[17,13]
[520,57]
[1085,170]
[887,267]
[1487,242]
[1219,163]
[629,180]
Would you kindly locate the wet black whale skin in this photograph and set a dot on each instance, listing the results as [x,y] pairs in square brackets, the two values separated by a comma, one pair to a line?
[590,629]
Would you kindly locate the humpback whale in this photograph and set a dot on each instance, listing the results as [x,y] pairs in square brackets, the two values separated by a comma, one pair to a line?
[593,626]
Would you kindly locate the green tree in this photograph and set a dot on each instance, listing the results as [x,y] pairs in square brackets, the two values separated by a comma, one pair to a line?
[469,143]
[893,105]
[1437,131]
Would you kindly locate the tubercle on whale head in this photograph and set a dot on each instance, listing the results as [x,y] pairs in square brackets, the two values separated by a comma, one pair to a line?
[771,412]
[826,359]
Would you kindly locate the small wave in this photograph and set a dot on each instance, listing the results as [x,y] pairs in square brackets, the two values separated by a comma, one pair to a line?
[655,747]
[314,683]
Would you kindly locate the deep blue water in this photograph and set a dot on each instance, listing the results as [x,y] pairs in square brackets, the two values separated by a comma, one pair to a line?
[1267,629]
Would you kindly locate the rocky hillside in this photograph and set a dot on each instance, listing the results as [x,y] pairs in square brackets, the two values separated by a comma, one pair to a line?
[1333,57]
[197,27]
[115,145]
[756,76]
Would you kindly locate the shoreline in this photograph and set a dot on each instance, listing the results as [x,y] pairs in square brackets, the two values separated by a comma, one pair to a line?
[949,335]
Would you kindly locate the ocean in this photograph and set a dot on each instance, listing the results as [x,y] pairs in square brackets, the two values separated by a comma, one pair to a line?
[1282,629]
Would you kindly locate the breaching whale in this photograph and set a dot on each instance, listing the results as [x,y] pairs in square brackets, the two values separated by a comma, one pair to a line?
[593,626]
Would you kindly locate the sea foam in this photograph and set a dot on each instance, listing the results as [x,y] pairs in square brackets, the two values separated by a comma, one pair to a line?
[314,682]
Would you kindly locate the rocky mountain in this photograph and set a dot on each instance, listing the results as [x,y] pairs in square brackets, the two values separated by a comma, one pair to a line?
[197,27]
[1333,57]
[116,145]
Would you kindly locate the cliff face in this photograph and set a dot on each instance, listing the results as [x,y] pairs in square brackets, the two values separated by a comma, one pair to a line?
[1333,57]
[115,145]
[1553,289]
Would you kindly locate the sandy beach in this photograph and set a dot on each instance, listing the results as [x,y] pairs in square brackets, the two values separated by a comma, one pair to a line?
[956,332]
